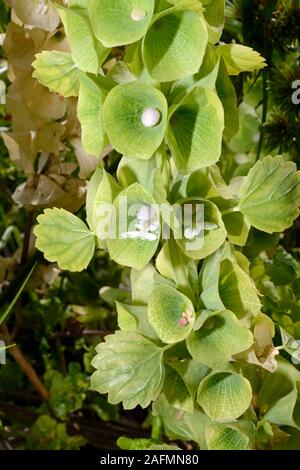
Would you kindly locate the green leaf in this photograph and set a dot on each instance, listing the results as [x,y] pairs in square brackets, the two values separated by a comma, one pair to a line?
[174,46]
[171,314]
[116,23]
[227,94]
[102,191]
[176,391]
[134,241]
[80,36]
[132,170]
[278,396]
[209,277]
[230,437]
[57,71]
[237,227]
[209,234]
[135,318]
[129,368]
[64,238]
[237,290]
[282,268]
[220,337]
[142,283]
[179,424]
[195,130]
[135,117]
[191,372]
[240,58]
[126,443]
[173,264]
[270,195]
[214,13]
[89,113]
[224,396]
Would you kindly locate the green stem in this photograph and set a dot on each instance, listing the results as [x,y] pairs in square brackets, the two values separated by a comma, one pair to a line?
[9,308]
[178,264]
[231,210]
[156,428]
[264,112]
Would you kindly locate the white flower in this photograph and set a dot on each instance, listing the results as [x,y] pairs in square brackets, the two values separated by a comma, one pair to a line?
[150,117]
[139,235]
[138,14]
[190,232]
[147,219]
[147,223]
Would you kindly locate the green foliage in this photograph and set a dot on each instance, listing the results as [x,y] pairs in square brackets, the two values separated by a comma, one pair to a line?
[195,322]
[57,71]
[270,195]
[65,238]
[48,434]
[123,362]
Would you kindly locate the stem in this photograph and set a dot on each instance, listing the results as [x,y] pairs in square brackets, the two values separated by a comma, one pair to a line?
[156,428]
[230,211]
[264,112]
[25,365]
[178,264]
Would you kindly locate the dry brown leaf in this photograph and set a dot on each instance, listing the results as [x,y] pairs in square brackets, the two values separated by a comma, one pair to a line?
[38,13]
[87,163]
[44,191]
[40,101]
[22,148]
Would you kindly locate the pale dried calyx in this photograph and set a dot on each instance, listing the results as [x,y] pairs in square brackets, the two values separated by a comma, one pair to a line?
[138,14]
[150,117]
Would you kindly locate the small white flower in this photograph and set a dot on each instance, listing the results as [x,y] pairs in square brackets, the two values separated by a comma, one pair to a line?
[138,14]
[150,117]
[139,235]
[190,232]
[147,219]
[147,223]
[210,226]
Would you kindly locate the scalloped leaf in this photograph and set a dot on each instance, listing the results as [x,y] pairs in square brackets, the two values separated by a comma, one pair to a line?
[129,368]
[270,194]
[119,22]
[123,111]
[224,396]
[65,239]
[174,45]
[239,58]
[130,245]
[195,130]
[80,36]
[57,71]
[219,338]
[171,314]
